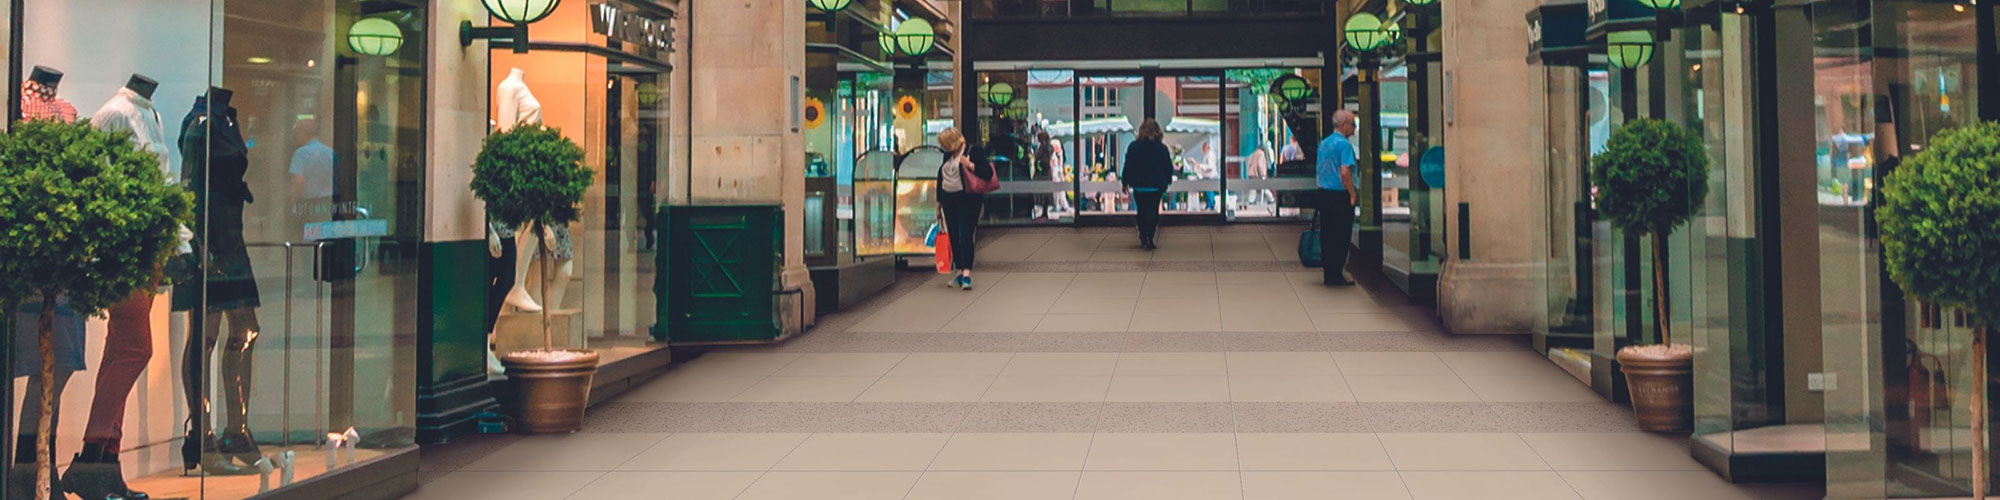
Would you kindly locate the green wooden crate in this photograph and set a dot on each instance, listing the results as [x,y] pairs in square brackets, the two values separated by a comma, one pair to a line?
[718,274]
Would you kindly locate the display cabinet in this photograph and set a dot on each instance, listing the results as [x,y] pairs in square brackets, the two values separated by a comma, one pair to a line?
[916,199]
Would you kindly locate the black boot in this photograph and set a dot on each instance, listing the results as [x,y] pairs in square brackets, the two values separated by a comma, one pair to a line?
[239,445]
[95,475]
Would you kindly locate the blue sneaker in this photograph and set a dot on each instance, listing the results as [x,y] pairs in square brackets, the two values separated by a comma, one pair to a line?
[965,282]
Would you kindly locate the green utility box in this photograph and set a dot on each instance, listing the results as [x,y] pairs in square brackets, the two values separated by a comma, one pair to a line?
[718,274]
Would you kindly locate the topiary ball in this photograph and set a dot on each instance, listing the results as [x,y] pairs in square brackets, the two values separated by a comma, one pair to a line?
[1940,221]
[531,173]
[1652,176]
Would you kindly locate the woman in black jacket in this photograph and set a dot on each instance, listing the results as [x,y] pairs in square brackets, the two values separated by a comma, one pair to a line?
[1149,169]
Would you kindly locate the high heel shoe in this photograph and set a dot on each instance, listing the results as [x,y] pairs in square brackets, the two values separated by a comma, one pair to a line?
[239,445]
[95,475]
[204,453]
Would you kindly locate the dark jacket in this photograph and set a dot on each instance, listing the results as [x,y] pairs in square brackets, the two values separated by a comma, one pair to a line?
[1148,164]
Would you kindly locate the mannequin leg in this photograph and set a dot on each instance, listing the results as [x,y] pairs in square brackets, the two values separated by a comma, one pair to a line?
[559,284]
[237,371]
[201,448]
[128,346]
[525,244]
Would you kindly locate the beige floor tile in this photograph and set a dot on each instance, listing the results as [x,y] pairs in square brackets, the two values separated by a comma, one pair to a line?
[1047,388]
[1105,285]
[1255,278]
[567,452]
[1322,300]
[1092,322]
[684,485]
[1360,322]
[1409,388]
[943,388]
[1675,485]
[1094,305]
[1620,451]
[1176,315]
[804,389]
[1160,486]
[514,485]
[1561,388]
[1281,363]
[1062,363]
[831,486]
[736,364]
[1116,250]
[1500,363]
[1245,319]
[1067,248]
[1312,452]
[1204,292]
[677,388]
[995,320]
[1162,452]
[1390,363]
[951,363]
[1168,388]
[1461,452]
[1013,247]
[1183,251]
[939,485]
[842,364]
[1172,363]
[1180,278]
[1247,247]
[1014,452]
[1323,486]
[1488,486]
[756,452]
[1289,388]
[864,452]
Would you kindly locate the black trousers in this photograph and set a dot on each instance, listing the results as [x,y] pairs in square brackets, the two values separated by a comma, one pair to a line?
[1335,233]
[961,221]
[1148,203]
[499,280]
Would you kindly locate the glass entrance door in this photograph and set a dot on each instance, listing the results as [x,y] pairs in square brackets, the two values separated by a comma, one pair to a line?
[1191,107]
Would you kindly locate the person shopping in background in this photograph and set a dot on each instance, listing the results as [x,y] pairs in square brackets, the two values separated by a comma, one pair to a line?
[1334,173]
[960,206]
[1149,169]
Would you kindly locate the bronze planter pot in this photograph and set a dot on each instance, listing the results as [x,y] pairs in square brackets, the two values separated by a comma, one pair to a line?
[551,394]
[1661,381]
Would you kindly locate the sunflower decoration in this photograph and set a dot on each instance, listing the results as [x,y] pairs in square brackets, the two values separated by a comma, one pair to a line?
[815,113]
[907,108]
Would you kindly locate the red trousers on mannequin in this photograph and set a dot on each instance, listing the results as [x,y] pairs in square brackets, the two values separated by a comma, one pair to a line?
[128,347]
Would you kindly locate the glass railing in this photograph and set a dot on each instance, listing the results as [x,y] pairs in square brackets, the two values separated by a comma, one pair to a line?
[987,9]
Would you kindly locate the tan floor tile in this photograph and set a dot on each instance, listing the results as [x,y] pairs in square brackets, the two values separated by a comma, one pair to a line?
[801,389]
[1121,251]
[1323,486]
[1048,388]
[1014,452]
[1176,315]
[1163,452]
[938,485]
[1410,388]
[684,485]
[1242,319]
[1500,363]
[1561,388]
[1172,363]
[1013,247]
[1254,278]
[1487,486]
[1180,278]
[927,389]
[676,388]
[995,320]
[1205,292]
[1168,388]
[716,452]
[1321,452]
[1067,248]
[842,364]
[1094,305]
[514,485]
[951,363]
[1621,451]
[1062,363]
[831,486]
[1105,285]
[1360,322]
[567,452]
[1460,452]
[1094,322]
[1160,486]
[1281,363]
[1675,485]
[864,452]
[736,364]
[1183,251]
[1289,388]
[1249,247]
[1390,363]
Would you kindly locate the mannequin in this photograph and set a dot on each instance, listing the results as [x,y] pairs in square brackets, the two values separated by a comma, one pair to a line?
[517,105]
[216,158]
[69,342]
[38,97]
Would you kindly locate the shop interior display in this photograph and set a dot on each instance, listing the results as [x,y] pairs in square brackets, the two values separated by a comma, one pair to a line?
[518,106]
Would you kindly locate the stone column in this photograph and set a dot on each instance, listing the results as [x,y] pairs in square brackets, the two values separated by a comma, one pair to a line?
[1494,164]
[451,357]
[748,64]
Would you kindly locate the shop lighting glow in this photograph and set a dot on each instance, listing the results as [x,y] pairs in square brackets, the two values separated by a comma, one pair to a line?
[374,36]
[1292,88]
[887,40]
[1419,3]
[1629,49]
[915,37]
[1662,4]
[829,5]
[521,11]
[1366,33]
[997,94]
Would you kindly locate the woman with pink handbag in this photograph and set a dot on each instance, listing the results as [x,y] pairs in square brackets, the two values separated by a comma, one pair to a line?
[962,186]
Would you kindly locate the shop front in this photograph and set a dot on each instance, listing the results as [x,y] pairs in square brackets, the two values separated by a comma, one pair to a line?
[282,362]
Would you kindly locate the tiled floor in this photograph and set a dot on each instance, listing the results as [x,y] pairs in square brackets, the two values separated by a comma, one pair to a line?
[1081,368]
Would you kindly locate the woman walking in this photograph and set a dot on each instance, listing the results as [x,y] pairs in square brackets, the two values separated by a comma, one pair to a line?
[960,206]
[1149,169]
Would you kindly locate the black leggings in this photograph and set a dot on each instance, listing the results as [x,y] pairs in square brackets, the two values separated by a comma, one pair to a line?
[1148,203]
[961,221]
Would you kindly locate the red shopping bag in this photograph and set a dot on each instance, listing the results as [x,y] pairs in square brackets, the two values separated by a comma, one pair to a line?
[943,252]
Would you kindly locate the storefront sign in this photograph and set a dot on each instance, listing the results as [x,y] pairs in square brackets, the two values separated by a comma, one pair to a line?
[1617,15]
[1556,34]
[340,229]
[642,29]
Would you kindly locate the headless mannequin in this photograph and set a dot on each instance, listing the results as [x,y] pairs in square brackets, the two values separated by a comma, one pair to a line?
[517,105]
[223,297]
[31,399]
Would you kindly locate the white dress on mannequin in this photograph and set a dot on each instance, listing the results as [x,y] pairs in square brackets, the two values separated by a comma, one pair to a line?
[517,105]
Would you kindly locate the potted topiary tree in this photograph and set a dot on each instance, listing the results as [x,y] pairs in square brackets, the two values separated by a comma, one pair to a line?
[533,177]
[86,215]
[1938,237]
[1652,177]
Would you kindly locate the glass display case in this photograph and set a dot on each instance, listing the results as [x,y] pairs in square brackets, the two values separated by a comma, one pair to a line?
[873,212]
[916,199]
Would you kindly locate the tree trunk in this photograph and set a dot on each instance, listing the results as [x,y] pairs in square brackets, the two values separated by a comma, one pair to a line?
[44,426]
[548,260]
[1980,474]
[1661,321]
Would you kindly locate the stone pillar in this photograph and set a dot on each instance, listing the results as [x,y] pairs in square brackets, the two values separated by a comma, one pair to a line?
[748,64]
[1495,171]
[451,357]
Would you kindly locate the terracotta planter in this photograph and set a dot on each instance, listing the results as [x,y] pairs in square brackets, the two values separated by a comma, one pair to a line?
[551,391]
[1661,381]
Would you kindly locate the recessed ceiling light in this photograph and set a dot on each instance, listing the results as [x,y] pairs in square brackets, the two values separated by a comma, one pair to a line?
[258,60]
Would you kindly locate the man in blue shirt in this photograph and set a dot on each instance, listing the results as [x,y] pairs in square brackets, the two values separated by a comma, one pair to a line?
[1335,175]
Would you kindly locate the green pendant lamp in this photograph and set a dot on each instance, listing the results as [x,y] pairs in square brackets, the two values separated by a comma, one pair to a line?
[520,11]
[1662,4]
[1629,49]
[1365,33]
[915,37]
[829,5]
[997,94]
[375,37]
